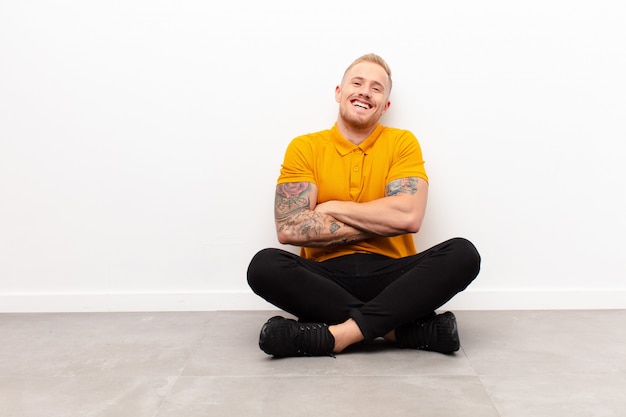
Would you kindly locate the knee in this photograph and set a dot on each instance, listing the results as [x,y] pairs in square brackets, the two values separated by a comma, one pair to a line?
[259,269]
[466,250]
[256,266]
[466,257]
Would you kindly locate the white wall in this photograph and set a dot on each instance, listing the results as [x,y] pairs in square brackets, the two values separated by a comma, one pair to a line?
[140,142]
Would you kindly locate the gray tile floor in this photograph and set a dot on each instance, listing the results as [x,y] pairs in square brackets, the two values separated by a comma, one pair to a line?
[512,364]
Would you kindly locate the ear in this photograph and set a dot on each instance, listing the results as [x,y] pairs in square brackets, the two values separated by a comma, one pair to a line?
[337,94]
[386,107]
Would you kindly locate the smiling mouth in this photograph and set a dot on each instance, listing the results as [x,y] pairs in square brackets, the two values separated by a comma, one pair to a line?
[361,105]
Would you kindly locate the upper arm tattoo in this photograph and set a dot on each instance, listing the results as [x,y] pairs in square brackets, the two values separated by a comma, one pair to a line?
[291,198]
[402,186]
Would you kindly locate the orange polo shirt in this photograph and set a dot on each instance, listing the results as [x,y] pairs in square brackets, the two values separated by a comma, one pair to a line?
[347,172]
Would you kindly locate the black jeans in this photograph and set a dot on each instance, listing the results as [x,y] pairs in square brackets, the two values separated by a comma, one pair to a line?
[378,292]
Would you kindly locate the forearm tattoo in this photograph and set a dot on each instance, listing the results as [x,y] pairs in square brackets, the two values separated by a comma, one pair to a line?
[292,210]
[293,214]
[401,186]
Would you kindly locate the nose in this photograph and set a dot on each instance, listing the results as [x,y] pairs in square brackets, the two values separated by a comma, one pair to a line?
[364,91]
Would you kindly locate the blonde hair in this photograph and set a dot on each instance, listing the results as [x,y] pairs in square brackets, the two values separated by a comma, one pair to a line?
[375,59]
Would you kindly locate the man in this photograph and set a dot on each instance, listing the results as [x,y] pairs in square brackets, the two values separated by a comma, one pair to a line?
[351,198]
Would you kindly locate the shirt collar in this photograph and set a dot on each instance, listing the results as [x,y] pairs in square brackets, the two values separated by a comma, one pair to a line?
[344,146]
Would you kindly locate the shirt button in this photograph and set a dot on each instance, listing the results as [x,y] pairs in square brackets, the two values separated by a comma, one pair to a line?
[355,169]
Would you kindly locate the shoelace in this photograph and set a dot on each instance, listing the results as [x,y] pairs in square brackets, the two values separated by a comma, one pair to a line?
[419,336]
[315,339]
[434,333]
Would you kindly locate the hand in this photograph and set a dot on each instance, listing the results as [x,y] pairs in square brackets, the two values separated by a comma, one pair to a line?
[326,207]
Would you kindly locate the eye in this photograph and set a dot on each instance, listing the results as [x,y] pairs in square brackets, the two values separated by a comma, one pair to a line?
[377,89]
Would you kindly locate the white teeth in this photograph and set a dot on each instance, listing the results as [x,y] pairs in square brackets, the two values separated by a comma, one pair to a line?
[361,105]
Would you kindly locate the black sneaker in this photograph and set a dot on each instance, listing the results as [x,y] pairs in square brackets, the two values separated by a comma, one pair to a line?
[437,334]
[286,337]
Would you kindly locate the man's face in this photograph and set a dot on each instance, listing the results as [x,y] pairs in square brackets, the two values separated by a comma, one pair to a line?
[363,95]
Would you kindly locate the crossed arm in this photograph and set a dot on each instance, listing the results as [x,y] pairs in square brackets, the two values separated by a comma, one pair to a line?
[302,222]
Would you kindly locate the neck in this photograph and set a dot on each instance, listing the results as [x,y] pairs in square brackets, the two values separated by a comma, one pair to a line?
[354,134]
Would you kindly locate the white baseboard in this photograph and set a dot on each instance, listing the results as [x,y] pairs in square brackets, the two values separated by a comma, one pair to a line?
[245,300]
[539,300]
